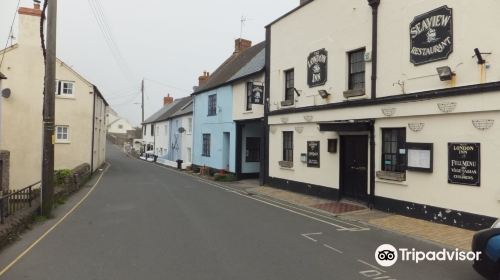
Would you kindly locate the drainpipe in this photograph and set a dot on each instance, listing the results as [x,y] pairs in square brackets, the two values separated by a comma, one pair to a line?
[372,164]
[374,4]
[264,151]
[93,135]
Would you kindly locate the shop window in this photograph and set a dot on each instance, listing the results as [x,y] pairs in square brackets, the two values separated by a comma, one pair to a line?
[393,149]
[288,146]
[357,70]
[253,149]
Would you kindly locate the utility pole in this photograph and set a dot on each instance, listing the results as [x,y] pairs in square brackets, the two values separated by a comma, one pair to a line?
[49,110]
[142,102]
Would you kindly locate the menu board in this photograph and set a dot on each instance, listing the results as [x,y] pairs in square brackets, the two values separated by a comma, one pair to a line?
[313,154]
[464,164]
[420,157]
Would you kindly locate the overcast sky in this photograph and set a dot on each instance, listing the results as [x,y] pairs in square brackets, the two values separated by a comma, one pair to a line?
[170,43]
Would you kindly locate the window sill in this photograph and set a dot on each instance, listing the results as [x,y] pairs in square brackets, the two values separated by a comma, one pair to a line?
[66,97]
[354,93]
[403,184]
[248,112]
[62,142]
[286,164]
[287,103]
[391,176]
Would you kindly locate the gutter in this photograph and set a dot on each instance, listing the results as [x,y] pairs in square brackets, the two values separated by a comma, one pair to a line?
[93,136]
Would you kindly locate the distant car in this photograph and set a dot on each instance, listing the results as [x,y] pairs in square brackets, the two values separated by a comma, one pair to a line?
[488,243]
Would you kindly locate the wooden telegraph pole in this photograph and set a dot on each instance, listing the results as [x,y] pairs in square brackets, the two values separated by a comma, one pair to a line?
[49,110]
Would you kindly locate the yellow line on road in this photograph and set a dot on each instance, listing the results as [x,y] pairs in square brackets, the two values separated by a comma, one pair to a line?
[54,226]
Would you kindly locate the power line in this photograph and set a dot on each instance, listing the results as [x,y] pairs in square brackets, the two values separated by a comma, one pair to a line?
[167,85]
[105,29]
[10,33]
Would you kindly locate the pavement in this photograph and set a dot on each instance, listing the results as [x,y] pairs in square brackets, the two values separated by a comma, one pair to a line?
[448,236]
[143,221]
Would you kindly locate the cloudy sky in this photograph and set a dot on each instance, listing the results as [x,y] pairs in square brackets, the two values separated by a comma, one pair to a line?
[169,43]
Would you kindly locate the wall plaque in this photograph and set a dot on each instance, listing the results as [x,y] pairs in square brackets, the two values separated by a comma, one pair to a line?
[464,164]
[431,36]
[257,94]
[317,66]
[313,154]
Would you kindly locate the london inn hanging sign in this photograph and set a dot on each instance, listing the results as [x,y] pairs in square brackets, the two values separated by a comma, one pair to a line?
[317,64]
[431,36]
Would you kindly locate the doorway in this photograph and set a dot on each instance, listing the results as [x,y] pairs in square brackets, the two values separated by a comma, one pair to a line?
[226,148]
[354,167]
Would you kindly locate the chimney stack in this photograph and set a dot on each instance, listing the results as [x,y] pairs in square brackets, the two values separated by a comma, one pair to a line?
[241,44]
[202,80]
[35,11]
[29,26]
[168,100]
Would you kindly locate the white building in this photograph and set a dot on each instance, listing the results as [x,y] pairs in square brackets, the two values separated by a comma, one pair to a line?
[117,124]
[409,125]
[80,109]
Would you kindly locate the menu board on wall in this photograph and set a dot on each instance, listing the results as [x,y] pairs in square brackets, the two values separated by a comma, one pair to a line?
[313,154]
[420,156]
[464,164]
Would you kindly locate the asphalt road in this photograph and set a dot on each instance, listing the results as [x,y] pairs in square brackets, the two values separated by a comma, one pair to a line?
[143,221]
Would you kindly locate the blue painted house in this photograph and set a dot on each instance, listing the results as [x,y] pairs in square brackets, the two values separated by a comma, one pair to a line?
[215,130]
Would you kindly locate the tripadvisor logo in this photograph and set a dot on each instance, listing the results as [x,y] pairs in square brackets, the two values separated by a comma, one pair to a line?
[387,255]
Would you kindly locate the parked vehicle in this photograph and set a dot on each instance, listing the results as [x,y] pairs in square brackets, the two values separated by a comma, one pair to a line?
[488,243]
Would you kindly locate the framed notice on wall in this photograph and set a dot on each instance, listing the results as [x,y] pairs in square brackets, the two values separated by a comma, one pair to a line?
[464,164]
[420,157]
[313,154]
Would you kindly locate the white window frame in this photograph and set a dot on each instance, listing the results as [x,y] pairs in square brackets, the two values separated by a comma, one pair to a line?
[67,134]
[60,89]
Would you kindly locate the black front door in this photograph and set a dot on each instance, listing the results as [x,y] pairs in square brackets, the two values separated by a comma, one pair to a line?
[354,166]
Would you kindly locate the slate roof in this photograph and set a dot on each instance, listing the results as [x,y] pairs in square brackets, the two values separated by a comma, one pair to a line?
[169,111]
[235,67]
[257,64]
[2,76]
[186,109]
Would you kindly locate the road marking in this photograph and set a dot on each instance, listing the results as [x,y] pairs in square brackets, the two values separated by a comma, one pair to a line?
[307,235]
[332,248]
[18,258]
[372,266]
[272,203]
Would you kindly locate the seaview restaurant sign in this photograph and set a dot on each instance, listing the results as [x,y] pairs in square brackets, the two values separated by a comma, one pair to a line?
[431,36]
[317,66]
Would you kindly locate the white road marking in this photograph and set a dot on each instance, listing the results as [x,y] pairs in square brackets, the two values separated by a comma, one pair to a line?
[332,248]
[372,266]
[276,204]
[307,235]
